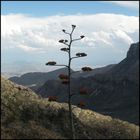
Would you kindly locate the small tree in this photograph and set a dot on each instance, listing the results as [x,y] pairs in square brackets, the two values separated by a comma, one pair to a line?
[66,79]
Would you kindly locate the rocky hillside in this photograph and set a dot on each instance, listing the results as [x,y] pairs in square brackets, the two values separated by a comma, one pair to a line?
[24,115]
[114,92]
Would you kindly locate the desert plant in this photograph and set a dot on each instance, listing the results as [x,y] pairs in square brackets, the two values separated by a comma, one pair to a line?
[66,79]
[52,98]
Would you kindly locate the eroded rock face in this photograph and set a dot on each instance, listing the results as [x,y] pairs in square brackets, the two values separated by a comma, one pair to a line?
[130,65]
[133,51]
[34,115]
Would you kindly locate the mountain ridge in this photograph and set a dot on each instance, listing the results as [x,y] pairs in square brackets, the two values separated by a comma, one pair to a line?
[36,79]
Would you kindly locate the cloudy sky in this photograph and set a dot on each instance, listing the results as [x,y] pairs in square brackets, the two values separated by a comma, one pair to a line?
[31,30]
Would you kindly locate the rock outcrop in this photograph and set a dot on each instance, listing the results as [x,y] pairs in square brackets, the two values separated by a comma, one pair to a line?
[130,65]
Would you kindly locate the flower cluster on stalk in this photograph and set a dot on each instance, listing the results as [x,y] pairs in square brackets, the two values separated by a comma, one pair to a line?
[51,63]
[86,69]
[83,91]
[52,98]
[81,104]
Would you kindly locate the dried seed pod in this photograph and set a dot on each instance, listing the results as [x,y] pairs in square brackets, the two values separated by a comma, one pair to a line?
[81,54]
[63,76]
[52,98]
[61,40]
[64,49]
[83,91]
[51,63]
[73,26]
[64,30]
[81,104]
[82,36]
[86,69]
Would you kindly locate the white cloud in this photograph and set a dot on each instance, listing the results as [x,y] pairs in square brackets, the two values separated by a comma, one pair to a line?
[38,34]
[107,39]
[129,4]
[28,49]
[122,35]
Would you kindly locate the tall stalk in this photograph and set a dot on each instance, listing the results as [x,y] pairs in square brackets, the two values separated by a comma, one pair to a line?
[69,89]
[53,63]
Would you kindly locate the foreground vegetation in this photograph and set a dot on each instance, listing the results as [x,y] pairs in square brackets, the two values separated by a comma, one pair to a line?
[24,115]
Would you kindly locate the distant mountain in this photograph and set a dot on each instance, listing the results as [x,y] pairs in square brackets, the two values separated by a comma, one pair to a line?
[37,79]
[24,115]
[114,92]
[95,71]
[19,67]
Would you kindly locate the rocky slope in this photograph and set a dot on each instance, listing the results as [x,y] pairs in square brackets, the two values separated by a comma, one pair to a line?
[115,92]
[24,115]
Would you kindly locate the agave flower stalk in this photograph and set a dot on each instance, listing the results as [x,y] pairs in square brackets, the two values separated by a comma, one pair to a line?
[66,79]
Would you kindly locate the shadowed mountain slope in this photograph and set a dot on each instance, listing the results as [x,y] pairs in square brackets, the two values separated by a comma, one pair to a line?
[114,92]
[37,79]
